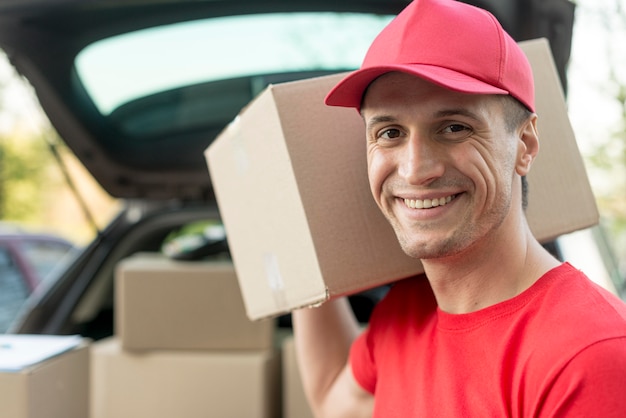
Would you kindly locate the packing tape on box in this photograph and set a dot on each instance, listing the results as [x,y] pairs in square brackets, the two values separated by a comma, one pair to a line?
[275,280]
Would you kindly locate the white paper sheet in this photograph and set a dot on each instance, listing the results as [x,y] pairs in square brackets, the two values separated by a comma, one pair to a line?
[18,351]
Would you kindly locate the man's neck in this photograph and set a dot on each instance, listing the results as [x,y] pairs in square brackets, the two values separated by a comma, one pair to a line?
[488,273]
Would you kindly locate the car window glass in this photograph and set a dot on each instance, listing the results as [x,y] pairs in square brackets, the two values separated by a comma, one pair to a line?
[44,256]
[13,289]
[120,69]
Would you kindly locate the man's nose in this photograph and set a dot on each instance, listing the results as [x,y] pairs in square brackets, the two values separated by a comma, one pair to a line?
[421,160]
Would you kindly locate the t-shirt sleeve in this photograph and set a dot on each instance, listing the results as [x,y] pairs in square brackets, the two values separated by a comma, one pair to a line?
[362,363]
[592,384]
[375,344]
[363,350]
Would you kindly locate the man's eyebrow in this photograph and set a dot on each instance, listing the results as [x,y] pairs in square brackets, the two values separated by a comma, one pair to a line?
[444,113]
[456,112]
[379,119]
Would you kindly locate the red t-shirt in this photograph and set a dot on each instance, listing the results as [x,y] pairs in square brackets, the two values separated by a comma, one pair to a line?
[556,350]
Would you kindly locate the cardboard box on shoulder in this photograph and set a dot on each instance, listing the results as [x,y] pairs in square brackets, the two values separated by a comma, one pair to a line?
[168,304]
[291,182]
[183,383]
[56,387]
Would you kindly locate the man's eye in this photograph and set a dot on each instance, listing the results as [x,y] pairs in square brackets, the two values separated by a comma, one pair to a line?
[455,127]
[389,134]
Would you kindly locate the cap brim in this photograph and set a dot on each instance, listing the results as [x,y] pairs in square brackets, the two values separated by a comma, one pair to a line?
[349,91]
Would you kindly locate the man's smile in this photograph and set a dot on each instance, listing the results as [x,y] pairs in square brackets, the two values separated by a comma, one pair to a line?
[428,203]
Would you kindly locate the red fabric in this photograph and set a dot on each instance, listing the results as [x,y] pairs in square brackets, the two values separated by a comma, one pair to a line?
[556,350]
[449,43]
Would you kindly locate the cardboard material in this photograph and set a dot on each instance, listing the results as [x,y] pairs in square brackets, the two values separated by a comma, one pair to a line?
[55,388]
[167,304]
[290,179]
[180,383]
[295,404]
[560,198]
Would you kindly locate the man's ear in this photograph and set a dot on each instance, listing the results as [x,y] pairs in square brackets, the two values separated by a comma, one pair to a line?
[528,145]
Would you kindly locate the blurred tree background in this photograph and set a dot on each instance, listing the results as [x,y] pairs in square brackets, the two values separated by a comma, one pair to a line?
[34,192]
[24,178]
[598,73]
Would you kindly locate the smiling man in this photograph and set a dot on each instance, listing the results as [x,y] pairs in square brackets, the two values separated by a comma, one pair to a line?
[497,327]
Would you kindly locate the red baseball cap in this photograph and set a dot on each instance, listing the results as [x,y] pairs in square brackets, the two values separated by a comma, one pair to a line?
[446,42]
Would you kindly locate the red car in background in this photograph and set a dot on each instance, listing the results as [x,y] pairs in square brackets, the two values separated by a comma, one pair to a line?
[25,261]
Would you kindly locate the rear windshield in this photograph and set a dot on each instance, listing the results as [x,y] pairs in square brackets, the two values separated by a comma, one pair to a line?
[122,69]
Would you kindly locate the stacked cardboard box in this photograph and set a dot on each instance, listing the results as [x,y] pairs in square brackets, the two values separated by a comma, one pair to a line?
[55,387]
[183,346]
[295,404]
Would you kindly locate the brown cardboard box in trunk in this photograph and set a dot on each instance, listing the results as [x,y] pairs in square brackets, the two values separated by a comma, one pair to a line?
[295,404]
[169,304]
[183,383]
[55,388]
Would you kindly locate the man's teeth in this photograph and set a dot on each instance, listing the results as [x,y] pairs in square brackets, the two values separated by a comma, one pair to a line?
[427,203]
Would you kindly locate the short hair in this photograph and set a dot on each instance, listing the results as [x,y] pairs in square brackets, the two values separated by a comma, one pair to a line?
[524,193]
[515,114]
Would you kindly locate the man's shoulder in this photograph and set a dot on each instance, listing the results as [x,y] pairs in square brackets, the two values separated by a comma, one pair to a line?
[574,312]
[579,297]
